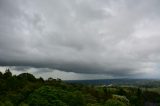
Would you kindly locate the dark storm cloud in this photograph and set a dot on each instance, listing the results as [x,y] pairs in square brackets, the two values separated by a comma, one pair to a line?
[117,38]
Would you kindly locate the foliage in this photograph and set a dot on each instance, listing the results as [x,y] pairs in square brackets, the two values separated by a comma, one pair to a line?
[26,90]
[122,99]
[112,102]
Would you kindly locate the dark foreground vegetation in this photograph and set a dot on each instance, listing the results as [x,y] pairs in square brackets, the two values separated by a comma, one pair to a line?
[26,90]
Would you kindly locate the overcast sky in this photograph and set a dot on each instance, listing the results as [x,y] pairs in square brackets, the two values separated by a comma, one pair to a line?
[81,39]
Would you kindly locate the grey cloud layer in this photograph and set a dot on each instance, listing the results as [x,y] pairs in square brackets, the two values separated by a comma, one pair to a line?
[112,37]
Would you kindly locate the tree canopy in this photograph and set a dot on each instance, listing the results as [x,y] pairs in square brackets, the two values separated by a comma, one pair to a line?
[27,90]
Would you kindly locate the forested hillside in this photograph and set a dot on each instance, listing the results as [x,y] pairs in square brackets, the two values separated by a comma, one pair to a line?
[26,90]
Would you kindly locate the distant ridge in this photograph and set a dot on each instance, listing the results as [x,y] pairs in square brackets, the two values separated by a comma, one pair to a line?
[124,81]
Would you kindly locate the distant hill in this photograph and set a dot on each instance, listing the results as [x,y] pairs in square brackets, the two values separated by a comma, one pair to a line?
[131,82]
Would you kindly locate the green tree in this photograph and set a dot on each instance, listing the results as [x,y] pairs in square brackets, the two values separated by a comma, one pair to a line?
[46,96]
[7,74]
[8,103]
[1,75]
[112,102]
[1,104]
[26,77]
[23,104]
[76,99]
[121,91]
[122,99]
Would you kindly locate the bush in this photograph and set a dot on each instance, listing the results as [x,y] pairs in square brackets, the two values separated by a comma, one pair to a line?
[121,99]
[50,96]
[112,102]
[8,103]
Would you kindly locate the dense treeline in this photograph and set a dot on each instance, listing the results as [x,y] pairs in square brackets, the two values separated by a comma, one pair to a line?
[26,90]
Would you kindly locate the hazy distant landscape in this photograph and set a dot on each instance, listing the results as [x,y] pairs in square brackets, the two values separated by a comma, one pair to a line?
[120,82]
